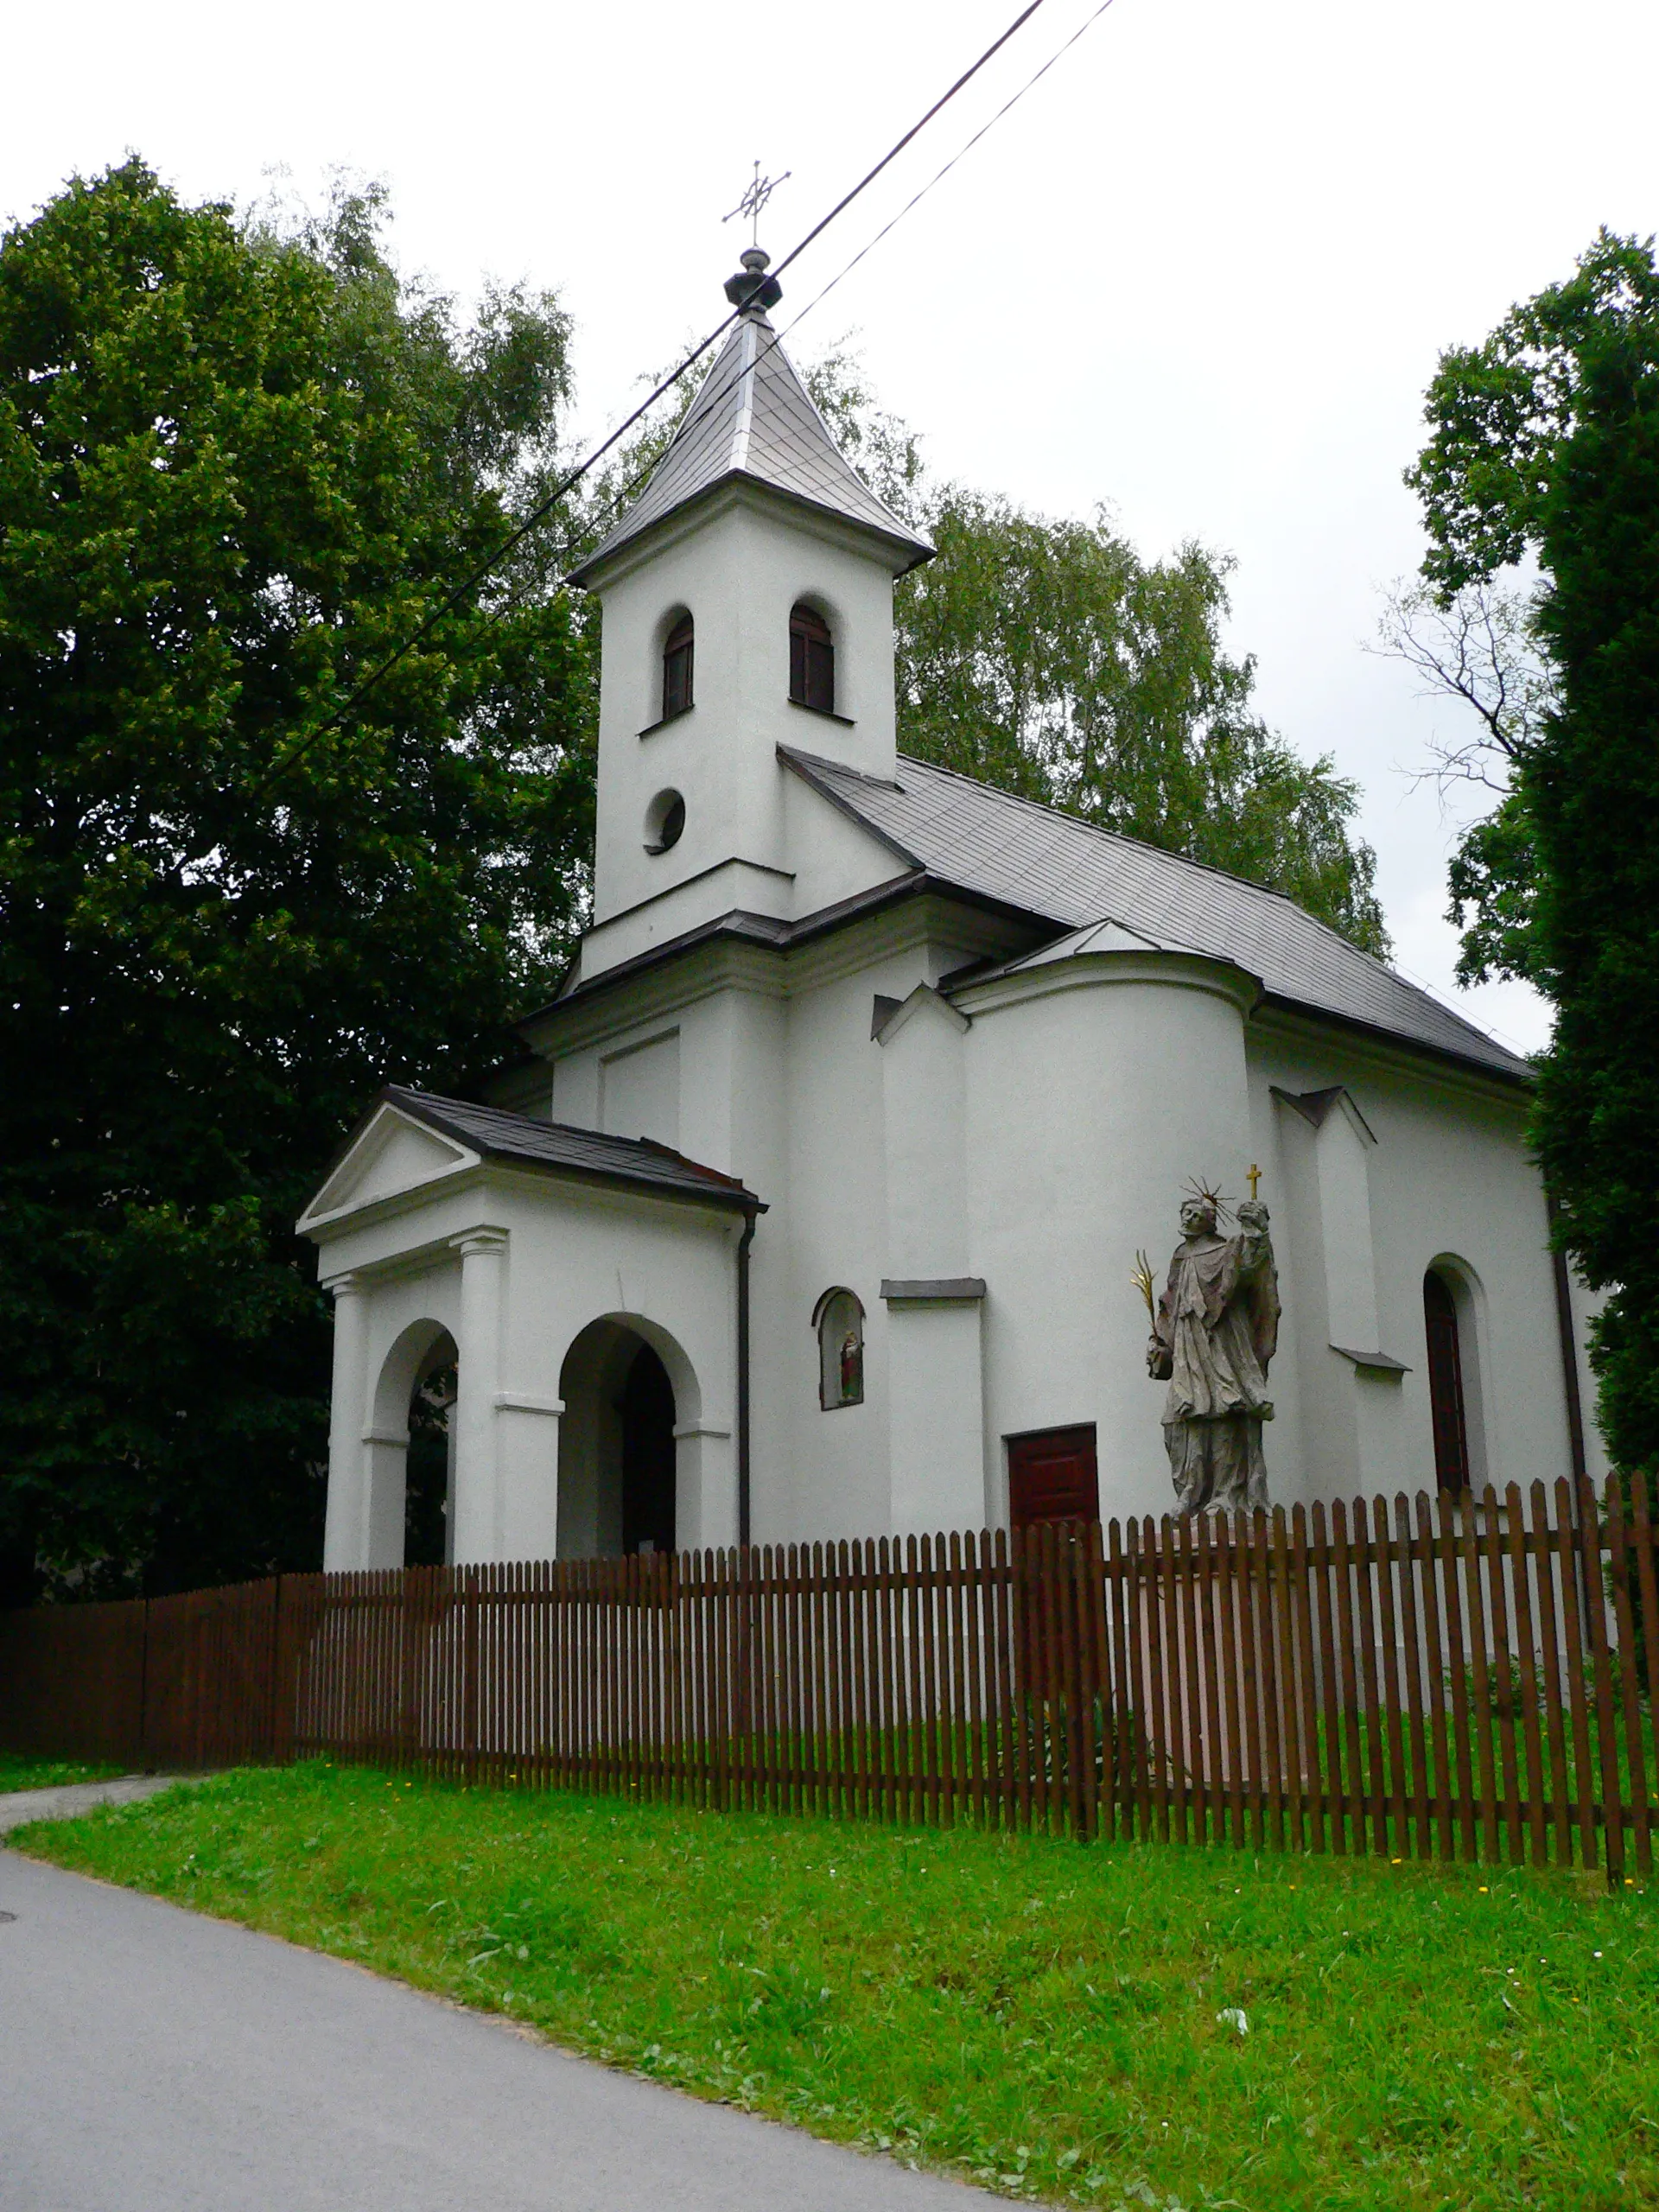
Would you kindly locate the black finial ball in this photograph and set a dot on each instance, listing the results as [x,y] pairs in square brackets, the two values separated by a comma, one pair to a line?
[752,287]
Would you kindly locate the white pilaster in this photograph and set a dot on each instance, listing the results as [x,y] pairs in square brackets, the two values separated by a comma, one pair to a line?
[705,1485]
[477,1504]
[1350,1383]
[345,1542]
[385,1458]
[936,1387]
[527,1453]
[1341,1146]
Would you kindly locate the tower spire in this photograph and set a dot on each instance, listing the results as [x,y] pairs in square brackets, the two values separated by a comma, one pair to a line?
[753,421]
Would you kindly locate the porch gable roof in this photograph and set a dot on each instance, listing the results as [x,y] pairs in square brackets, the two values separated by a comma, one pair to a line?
[636,1164]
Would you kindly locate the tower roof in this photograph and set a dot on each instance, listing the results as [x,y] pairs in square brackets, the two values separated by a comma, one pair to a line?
[753,418]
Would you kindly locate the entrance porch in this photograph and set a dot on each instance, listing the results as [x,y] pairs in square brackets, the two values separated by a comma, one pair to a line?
[537,1341]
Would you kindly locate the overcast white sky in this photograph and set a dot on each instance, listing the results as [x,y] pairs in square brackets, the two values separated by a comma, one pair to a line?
[1202,272]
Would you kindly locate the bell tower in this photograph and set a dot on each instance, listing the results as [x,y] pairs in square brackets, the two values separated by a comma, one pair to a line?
[747,599]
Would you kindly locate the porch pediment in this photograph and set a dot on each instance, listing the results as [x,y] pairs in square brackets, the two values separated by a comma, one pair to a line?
[389,1156]
[413,1143]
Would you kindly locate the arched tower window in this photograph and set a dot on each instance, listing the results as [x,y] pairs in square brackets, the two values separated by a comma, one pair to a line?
[811,660]
[678,651]
[839,1321]
[1445,1398]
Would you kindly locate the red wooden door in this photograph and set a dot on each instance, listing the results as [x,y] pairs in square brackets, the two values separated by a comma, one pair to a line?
[1051,1475]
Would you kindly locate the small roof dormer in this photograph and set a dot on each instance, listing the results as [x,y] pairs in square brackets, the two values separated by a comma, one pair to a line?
[752,420]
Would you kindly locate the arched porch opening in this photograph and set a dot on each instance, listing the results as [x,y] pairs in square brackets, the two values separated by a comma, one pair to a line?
[628,1391]
[411,1452]
[429,1472]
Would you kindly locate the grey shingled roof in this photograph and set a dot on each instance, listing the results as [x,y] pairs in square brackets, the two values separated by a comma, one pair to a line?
[1049,864]
[586,1154]
[752,417]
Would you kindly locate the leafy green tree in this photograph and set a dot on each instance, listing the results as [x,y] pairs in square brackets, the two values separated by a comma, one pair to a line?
[1544,446]
[1048,656]
[239,464]
[1045,656]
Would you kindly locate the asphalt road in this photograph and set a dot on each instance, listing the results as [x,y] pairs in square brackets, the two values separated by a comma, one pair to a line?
[69,1798]
[152,2060]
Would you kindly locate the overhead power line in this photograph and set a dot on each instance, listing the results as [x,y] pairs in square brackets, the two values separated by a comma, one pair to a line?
[939,175]
[296,753]
[777,337]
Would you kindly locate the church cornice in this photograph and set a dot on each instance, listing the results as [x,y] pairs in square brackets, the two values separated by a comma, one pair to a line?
[1095,971]
[732,491]
[776,959]
[1383,1050]
[673,891]
[364,1244]
[464,1143]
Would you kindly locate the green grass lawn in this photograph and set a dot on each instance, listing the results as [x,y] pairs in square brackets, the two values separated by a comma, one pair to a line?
[1053,2020]
[18,1772]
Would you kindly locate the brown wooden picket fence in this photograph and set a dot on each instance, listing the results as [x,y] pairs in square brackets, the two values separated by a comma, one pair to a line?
[1450,1679]
[179,1682]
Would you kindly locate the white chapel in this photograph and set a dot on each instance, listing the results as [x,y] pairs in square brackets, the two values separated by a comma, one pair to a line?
[813,1207]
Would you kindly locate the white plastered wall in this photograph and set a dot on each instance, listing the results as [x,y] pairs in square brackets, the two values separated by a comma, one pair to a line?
[822,1085]
[1096,1088]
[1319,1193]
[782,1084]
[1448,1176]
[383,1328]
[937,1422]
[831,857]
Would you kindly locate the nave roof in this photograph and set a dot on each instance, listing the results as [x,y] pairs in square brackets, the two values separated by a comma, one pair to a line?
[1042,862]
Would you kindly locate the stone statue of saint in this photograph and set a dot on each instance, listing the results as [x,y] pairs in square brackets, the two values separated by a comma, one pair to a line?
[1216,1329]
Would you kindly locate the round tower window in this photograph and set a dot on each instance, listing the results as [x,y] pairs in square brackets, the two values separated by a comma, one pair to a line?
[664,822]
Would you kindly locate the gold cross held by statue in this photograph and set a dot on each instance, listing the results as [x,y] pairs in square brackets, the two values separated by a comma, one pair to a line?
[1255,1175]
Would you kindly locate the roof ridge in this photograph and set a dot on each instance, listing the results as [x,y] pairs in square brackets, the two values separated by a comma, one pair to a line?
[748,376]
[1186,860]
[907,529]
[798,381]
[845,768]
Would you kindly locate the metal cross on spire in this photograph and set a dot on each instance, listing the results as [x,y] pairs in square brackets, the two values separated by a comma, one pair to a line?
[756,198]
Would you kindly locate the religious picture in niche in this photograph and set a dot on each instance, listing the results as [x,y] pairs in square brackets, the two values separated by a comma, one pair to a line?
[1214,1330]
[840,1324]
